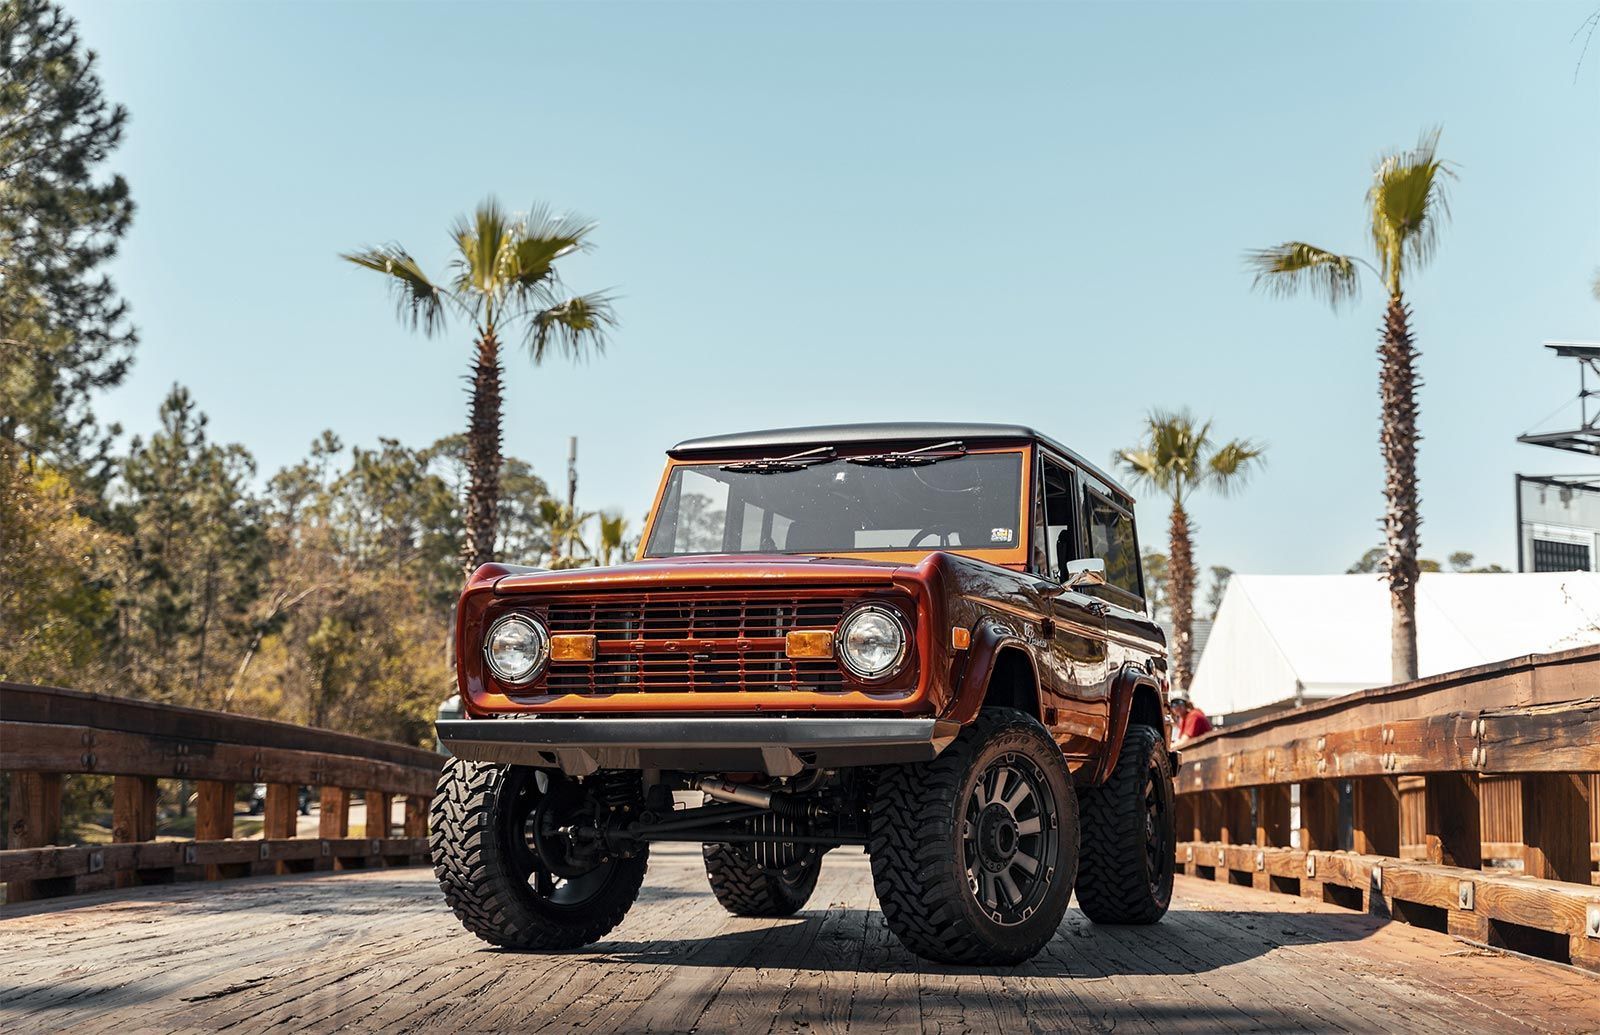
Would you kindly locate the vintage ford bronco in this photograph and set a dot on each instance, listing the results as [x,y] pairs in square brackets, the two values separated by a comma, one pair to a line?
[926,639]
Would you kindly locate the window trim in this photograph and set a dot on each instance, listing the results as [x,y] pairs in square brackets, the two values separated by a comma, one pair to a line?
[1116,594]
[1074,478]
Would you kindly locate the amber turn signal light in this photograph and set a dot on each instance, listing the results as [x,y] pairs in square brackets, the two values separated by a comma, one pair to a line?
[571,647]
[809,643]
[960,637]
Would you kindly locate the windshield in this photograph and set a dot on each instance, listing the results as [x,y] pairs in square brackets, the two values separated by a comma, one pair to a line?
[826,506]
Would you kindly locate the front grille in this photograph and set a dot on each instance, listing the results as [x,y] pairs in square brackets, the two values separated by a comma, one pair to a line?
[703,619]
[686,645]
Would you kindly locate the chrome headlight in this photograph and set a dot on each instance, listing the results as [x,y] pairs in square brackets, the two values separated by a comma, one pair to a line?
[872,641]
[516,648]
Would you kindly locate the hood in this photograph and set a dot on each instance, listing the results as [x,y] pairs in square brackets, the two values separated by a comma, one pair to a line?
[705,570]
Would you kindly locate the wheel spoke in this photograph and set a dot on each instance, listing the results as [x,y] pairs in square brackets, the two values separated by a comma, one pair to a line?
[1028,826]
[1027,862]
[1018,796]
[987,880]
[1011,887]
[1001,775]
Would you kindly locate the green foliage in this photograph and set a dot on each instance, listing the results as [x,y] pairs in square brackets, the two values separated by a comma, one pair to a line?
[1177,457]
[1407,204]
[1296,266]
[63,328]
[1220,574]
[503,275]
[57,569]
[196,557]
[1371,563]
[1157,584]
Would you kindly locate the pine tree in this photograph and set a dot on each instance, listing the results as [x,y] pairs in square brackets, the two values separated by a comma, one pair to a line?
[64,330]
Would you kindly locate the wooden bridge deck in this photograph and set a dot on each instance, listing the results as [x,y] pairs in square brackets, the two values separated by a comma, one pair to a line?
[378,951]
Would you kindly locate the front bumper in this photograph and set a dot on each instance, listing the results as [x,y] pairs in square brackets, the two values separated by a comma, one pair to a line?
[770,744]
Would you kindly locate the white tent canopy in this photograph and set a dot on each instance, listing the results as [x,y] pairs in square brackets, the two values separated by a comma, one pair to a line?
[1279,639]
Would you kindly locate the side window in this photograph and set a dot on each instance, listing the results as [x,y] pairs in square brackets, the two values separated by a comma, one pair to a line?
[1060,531]
[1111,537]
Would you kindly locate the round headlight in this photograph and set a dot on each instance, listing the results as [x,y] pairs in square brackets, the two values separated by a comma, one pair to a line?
[516,648]
[872,641]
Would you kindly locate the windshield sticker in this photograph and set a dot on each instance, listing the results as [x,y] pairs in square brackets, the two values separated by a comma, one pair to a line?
[1000,535]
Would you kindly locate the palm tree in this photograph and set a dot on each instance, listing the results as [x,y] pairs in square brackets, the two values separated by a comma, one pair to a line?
[1177,458]
[564,528]
[613,536]
[1408,204]
[502,280]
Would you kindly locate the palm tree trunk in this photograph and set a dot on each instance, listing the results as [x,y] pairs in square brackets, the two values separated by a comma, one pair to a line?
[1180,570]
[1398,392]
[483,454]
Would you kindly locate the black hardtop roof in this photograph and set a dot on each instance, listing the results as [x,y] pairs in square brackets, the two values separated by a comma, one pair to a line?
[902,433]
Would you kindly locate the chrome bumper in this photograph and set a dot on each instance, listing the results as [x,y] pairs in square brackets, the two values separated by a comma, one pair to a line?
[773,745]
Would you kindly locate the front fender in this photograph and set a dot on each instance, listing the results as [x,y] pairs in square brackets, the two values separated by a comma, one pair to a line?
[992,635]
[1123,688]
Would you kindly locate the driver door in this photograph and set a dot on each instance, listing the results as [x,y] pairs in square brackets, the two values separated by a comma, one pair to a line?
[1077,707]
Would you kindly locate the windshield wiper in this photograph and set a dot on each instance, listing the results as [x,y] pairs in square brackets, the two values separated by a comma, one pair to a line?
[913,457]
[779,464]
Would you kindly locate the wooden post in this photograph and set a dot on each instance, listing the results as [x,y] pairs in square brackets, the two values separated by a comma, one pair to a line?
[133,817]
[1376,816]
[416,815]
[1208,816]
[1319,815]
[1555,826]
[35,823]
[282,811]
[380,809]
[335,821]
[1453,833]
[1272,816]
[213,811]
[213,821]
[1236,826]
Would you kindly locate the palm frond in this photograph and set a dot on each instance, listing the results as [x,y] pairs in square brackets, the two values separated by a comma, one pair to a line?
[484,242]
[574,326]
[1177,456]
[1230,465]
[1409,204]
[1295,266]
[419,302]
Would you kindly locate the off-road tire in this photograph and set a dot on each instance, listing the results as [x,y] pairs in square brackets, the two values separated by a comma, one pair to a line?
[1117,883]
[918,851]
[477,871]
[746,888]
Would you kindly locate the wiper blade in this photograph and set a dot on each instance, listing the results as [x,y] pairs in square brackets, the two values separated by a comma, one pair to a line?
[913,457]
[779,464]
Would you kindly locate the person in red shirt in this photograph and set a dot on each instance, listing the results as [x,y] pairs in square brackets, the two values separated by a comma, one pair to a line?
[1192,722]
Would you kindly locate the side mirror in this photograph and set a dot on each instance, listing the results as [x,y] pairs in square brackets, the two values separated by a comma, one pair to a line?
[1091,571]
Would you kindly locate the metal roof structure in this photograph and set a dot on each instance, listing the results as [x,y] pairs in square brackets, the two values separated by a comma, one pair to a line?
[1585,438]
[899,432]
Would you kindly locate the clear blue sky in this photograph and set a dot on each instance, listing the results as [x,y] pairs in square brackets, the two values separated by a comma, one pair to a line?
[820,212]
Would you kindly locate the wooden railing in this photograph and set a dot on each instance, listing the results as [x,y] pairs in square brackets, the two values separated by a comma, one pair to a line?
[1467,802]
[47,734]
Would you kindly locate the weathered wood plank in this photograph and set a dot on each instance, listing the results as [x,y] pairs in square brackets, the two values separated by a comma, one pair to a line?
[55,862]
[378,951]
[44,747]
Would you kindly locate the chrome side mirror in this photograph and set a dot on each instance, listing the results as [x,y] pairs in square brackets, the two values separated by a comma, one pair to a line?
[1090,571]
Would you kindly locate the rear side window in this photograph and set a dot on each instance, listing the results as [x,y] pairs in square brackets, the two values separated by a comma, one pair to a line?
[1111,538]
